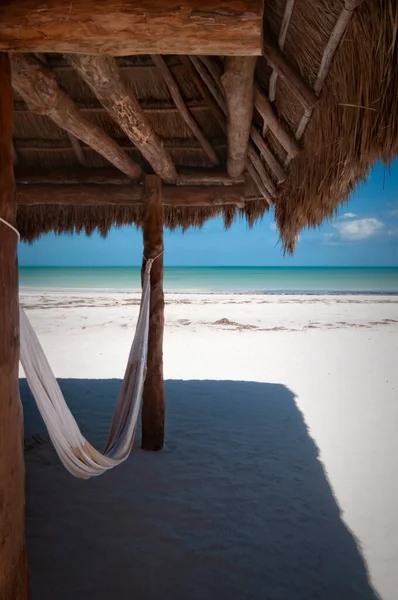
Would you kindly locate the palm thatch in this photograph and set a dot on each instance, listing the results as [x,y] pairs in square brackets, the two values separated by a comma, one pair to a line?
[353,124]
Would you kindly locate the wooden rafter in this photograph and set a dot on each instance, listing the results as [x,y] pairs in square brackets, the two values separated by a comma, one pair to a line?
[281,43]
[237,81]
[289,75]
[264,107]
[82,194]
[215,87]
[105,79]
[183,109]
[39,88]
[327,59]
[217,27]
[76,146]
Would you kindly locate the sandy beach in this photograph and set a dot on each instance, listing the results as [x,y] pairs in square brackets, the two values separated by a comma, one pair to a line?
[279,479]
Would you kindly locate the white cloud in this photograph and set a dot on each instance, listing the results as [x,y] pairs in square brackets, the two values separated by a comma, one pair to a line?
[349,215]
[359,229]
[273,226]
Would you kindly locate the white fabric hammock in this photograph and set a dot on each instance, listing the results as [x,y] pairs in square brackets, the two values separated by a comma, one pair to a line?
[77,454]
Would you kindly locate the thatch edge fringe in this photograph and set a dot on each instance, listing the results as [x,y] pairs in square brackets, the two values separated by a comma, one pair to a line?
[344,140]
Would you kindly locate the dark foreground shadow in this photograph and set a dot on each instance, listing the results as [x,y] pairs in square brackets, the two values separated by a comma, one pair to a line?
[236,507]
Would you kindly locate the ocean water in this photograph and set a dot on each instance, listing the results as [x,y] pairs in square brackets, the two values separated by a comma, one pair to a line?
[293,280]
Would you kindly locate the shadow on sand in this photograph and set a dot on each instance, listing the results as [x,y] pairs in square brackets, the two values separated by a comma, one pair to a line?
[236,507]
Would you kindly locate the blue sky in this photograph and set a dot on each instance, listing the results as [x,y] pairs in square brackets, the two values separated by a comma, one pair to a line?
[365,233]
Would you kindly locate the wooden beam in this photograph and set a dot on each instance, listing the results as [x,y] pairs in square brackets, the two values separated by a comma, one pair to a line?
[105,79]
[38,87]
[265,109]
[258,181]
[207,177]
[216,27]
[281,43]
[13,567]
[71,176]
[289,75]
[237,81]
[266,153]
[159,107]
[94,194]
[44,145]
[154,399]
[182,108]
[204,91]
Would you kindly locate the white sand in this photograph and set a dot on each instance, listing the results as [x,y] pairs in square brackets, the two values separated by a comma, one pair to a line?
[279,479]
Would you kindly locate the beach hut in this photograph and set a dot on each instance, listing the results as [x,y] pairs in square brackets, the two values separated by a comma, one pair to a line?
[165,114]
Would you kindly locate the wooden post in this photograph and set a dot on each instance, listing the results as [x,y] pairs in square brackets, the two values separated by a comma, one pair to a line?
[154,401]
[13,567]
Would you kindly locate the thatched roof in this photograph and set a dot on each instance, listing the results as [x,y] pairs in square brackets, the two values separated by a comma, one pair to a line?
[353,124]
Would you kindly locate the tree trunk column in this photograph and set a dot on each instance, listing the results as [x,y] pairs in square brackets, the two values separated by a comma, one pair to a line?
[13,567]
[153,407]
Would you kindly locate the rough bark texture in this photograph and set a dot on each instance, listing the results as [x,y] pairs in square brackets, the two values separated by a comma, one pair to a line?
[106,80]
[39,88]
[217,27]
[13,567]
[237,81]
[93,194]
[154,400]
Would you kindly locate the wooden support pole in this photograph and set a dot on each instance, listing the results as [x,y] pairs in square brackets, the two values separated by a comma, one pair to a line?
[39,88]
[237,81]
[217,27]
[154,400]
[183,109]
[106,80]
[13,567]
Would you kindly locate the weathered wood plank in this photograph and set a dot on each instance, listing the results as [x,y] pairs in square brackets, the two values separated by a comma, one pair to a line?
[216,27]
[106,80]
[237,81]
[13,568]
[183,109]
[39,88]
[154,397]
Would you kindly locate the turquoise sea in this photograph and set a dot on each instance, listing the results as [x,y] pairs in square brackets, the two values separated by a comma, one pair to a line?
[266,280]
